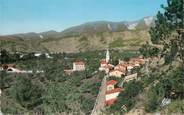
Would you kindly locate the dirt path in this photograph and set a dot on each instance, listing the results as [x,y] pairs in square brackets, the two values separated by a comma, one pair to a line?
[100,100]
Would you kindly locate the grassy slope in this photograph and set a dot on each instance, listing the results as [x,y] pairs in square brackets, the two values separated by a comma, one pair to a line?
[19,44]
[116,40]
[85,42]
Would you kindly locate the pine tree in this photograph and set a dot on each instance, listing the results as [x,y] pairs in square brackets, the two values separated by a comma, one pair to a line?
[169,30]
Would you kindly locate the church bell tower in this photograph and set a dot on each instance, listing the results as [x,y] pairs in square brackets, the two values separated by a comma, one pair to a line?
[107,56]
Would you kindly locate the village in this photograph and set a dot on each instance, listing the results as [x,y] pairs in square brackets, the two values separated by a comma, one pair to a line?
[110,89]
[124,70]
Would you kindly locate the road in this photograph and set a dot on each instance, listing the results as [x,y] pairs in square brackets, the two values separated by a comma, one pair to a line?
[100,100]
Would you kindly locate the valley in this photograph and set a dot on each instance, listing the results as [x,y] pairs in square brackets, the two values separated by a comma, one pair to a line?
[97,67]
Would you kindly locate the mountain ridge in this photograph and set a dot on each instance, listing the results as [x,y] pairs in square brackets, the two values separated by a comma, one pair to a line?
[88,36]
[92,27]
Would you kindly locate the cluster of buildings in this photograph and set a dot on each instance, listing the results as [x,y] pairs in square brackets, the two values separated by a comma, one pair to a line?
[11,68]
[124,70]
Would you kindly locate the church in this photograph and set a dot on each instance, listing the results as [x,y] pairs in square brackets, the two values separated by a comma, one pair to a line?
[104,63]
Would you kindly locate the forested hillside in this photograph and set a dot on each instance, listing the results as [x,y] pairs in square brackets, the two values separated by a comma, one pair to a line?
[161,88]
[52,91]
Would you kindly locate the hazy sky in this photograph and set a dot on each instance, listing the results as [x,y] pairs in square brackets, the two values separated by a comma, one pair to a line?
[20,16]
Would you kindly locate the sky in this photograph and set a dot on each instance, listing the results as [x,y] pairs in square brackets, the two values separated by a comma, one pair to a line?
[22,16]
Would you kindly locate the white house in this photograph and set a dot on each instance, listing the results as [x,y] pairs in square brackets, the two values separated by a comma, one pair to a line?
[111,96]
[48,56]
[130,77]
[37,54]
[78,66]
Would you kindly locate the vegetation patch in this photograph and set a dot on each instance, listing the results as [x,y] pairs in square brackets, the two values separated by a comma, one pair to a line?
[83,39]
[117,43]
[52,91]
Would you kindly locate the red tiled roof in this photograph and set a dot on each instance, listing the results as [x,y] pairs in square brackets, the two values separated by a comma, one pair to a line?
[6,66]
[111,82]
[103,61]
[79,62]
[9,65]
[123,65]
[110,66]
[114,91]
[120,70]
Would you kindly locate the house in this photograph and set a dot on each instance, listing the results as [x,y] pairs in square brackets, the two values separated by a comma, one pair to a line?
[48,56]
[78,65]
[6,66]
[111,96]
[130,67]
[130,77]
[103,63]
[137,61]
[122,62]
[106,68]
[37,54]
[117,73]
[110,84]
[13,70]
[121,67]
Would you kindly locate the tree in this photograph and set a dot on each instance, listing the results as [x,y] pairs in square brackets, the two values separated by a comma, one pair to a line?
[133,88]
[5,57]
[5,80]
[147,50]
[27,94]
[54,98]
[174,84]
[152,102]
[168,30]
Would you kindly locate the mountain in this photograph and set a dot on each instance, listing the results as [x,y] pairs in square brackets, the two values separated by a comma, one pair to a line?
[93,28]
[107,26]
[88,36]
